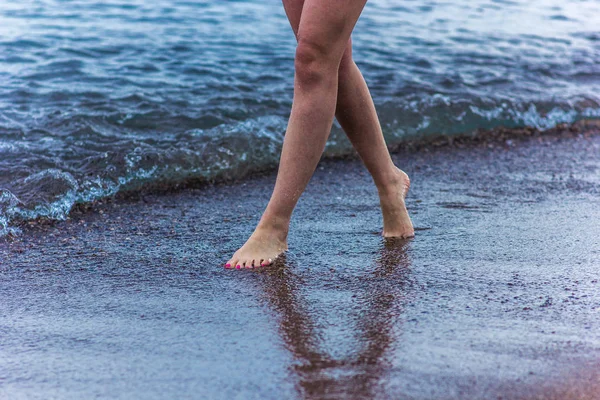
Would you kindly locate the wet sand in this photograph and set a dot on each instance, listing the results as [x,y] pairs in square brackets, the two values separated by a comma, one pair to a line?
[498,295]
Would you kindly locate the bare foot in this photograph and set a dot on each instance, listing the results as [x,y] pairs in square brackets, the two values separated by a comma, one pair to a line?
[396,222]
[261,249]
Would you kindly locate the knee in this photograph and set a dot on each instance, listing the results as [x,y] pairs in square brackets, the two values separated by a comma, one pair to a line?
[313,62]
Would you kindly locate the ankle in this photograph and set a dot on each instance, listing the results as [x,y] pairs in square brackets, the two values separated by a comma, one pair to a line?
[388,183]
[274,225]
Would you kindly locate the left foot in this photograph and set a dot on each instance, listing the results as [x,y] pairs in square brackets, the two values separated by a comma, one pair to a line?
[396,222]
[261,249]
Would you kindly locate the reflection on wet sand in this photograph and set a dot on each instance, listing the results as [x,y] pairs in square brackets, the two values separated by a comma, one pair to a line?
[379,300]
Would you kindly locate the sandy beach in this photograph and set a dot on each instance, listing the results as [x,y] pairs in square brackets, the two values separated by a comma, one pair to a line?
[497,296]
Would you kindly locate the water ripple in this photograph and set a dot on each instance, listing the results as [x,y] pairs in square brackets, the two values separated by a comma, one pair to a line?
[100,97]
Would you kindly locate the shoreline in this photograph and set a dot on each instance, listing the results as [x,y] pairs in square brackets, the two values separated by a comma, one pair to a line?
[500,137]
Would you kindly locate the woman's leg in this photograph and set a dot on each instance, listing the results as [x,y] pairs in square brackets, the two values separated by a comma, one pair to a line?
[356,114]
[323,32]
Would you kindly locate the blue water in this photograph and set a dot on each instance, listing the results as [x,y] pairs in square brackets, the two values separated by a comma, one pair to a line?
[97,97]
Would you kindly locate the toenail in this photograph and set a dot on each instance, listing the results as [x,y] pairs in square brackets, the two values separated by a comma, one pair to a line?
[238,266]
[227,265]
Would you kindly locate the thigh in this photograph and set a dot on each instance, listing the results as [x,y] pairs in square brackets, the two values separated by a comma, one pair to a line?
[327,24]
[293,10]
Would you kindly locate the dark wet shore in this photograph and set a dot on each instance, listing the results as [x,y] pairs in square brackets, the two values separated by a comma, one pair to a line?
[498,296]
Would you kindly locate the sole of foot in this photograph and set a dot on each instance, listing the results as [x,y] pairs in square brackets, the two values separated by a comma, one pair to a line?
[396,221]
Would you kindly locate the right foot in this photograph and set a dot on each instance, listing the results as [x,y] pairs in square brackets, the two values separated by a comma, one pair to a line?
[261,249]
[396,222]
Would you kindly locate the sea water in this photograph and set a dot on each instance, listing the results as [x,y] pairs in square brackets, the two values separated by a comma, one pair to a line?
[98,97]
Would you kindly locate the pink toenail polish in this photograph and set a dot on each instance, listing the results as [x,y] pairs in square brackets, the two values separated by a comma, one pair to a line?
[238,266]
[227,265]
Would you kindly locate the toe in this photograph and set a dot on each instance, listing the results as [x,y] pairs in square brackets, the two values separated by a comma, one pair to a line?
[230,264]
[266,262]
